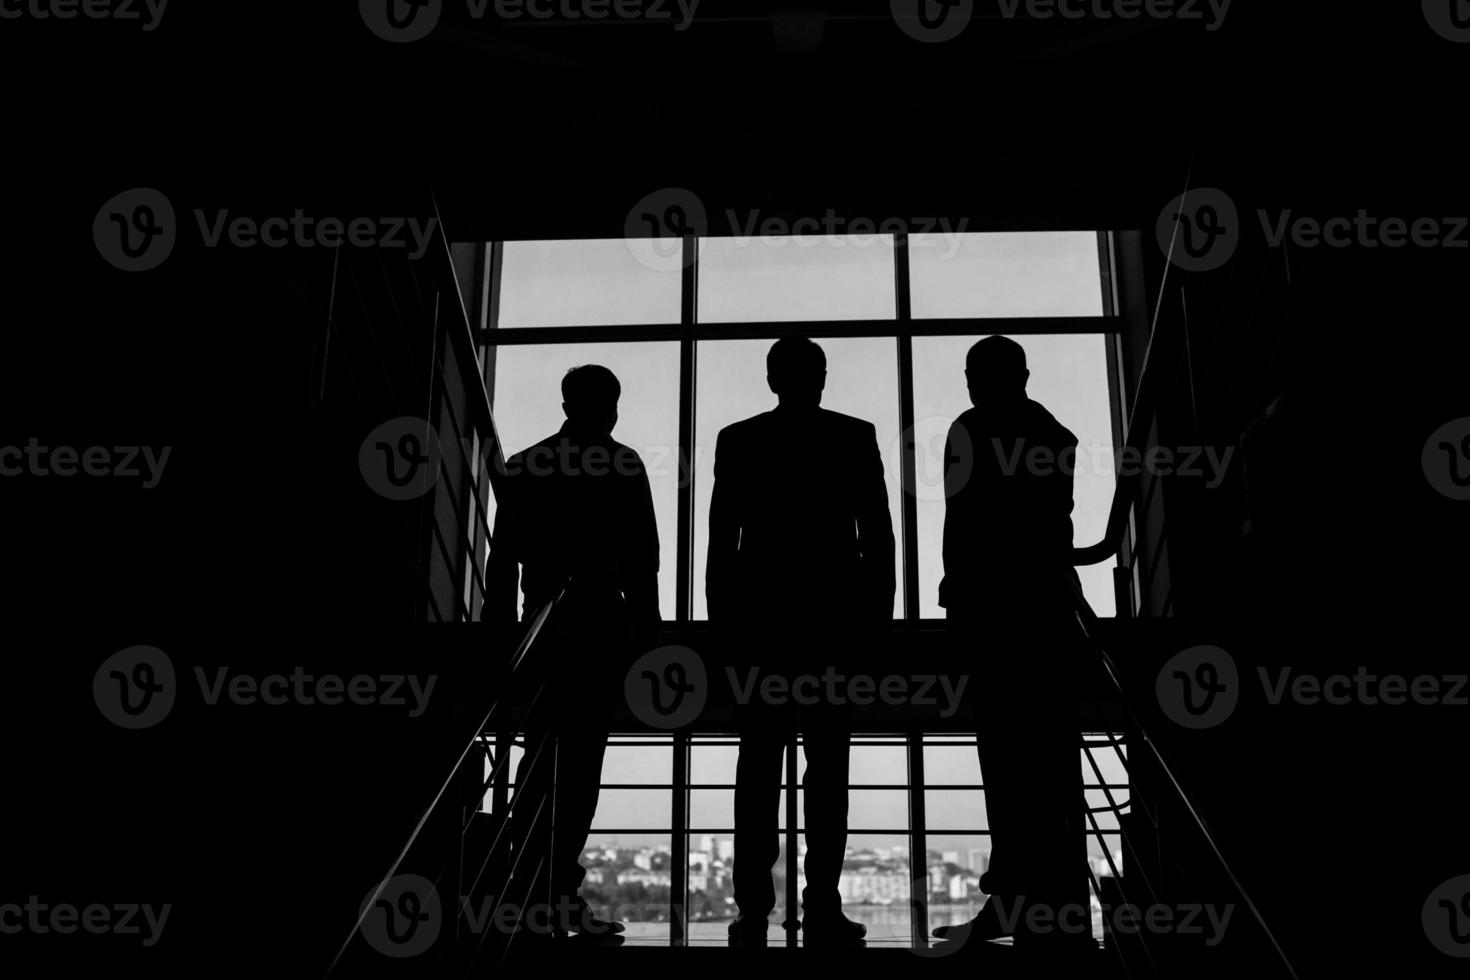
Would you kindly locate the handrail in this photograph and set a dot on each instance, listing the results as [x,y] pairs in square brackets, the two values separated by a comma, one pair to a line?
[527,641]
[1087,620]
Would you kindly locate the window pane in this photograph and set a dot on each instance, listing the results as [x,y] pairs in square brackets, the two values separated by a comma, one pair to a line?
[1069,376]
[526,399]
[875,888]
[631,810]
[862,380]
[595,282]
[713,762]
[796,278]
[955,865]
[951,765]
[1045,273]
[630,880]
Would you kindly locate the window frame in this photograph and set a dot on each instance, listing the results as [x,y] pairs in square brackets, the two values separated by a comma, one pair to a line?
[902,327]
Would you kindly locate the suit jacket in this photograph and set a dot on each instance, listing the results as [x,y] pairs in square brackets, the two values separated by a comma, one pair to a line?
[799,520]
[1008,475]
[576,509]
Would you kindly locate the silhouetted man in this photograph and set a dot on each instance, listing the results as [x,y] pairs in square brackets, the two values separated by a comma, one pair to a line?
[800,562]
[574,511]
[1007,558]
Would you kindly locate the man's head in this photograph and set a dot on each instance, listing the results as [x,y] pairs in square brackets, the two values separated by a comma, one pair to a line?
[796,370]
[995,371]
[589,396]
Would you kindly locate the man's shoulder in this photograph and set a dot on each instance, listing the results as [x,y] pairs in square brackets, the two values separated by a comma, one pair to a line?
[1043,419]
[629,457]
[746,427]
[516,461]
[851,425]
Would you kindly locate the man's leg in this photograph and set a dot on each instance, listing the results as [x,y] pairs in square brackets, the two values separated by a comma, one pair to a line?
[578,760]
[1056,831]
[827,733]
[528,832]
[757,811]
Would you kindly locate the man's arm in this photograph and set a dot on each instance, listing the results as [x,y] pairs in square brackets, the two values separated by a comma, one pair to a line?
[724,531]
[875,525]
[641,585]
[502,571]
[959,463]
[1060,501]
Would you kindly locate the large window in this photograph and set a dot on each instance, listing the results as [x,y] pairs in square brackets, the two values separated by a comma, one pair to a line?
[639,849]
[686,325]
